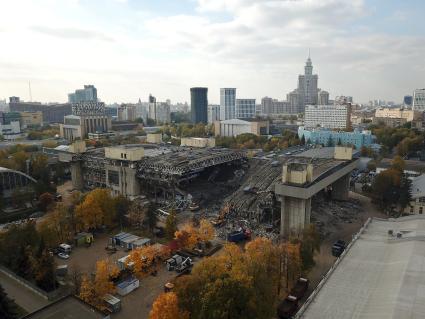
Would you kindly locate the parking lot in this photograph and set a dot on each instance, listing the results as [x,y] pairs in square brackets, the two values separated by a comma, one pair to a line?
[138,303]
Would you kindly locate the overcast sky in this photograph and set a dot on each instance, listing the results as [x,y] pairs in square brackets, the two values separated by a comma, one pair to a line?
[129,48]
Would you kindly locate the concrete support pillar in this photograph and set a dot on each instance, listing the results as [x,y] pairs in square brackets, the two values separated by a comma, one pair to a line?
[77,176]
[340,188]
[294,215]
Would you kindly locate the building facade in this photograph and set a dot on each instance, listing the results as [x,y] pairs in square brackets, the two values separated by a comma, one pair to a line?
[235,127]
[31,119]
[52,113]
[158,111]
[419,100]
[394,117]
[245,108]
[323,97]
[274,107]
[86,117]
[213,113]
[199,104]
[87,94]
[227,103]
[126,112]
[327,116]
[333,138]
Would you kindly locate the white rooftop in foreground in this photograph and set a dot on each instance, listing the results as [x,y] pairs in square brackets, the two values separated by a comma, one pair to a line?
[380,276]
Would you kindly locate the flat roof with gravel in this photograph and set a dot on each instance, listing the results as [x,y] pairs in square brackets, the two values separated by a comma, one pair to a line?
[381,275]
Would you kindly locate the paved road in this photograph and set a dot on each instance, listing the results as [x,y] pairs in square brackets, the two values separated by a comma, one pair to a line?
[24,297]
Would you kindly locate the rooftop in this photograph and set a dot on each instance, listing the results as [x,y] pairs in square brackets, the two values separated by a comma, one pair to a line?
[69,307]
[380,276]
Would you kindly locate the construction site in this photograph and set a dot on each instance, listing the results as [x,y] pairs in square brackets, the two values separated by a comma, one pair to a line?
[271,195]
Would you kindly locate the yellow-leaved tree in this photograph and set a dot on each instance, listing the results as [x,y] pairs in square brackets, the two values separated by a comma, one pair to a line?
[102,282]
[166,307]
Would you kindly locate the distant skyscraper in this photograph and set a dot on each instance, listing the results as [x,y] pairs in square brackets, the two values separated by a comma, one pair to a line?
[227,103]
[419,100]
[408,100]
[307,86]
[307,92]
[88,94]
[199,104]
[245,108]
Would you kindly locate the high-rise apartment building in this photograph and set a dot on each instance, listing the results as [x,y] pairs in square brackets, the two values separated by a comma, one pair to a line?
[213,113]
[199,104]
[88,94]
[245,108]
[126,112]
[327,116]
[227,103]
[419,100]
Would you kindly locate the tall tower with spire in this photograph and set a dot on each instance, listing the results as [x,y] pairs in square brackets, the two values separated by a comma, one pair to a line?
[307,86]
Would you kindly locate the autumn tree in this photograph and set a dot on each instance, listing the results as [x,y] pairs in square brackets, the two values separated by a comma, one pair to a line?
[166,307]
[46,201]
[206,230]
[171,224]
[87,292]
[102,282]
[143,261]
[45,276]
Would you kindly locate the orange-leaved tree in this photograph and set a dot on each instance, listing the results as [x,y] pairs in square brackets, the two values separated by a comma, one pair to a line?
[166,307]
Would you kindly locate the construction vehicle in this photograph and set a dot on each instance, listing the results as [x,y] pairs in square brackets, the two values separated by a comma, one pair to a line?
[288,307]
[300,288]
[175,263]
[187,263]
[221,218]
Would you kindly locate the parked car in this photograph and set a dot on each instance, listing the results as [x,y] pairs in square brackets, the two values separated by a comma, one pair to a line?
[338,247]
[63,256]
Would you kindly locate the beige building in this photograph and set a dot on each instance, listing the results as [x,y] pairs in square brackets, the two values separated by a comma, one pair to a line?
[197,142]
[417,204]
[154,138]
[31,119]
[235,127]
[126,112]
[395,116]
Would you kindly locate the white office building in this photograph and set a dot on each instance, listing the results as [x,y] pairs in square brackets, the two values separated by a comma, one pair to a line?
[227,103]
[213,113]
[245,108]
[327,116]
[419,100]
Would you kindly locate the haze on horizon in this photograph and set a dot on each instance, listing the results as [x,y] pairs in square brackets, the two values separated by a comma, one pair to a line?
[368,49]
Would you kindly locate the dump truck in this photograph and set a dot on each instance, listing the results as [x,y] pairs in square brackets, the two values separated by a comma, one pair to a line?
[338,248]
[288,307]
[300,288]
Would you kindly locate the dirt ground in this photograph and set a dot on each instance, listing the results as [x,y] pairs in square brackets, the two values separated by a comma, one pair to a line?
[324,259]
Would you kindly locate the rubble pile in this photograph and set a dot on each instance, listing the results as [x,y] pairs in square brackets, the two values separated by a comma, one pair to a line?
[327,214]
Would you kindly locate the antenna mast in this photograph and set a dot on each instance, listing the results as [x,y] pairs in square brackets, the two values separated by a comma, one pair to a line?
[29,88]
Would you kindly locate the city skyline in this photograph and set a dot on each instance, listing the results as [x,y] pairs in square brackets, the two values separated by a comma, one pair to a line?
[370,49]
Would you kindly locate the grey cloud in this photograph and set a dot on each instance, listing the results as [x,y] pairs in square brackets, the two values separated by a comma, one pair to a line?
[72,33]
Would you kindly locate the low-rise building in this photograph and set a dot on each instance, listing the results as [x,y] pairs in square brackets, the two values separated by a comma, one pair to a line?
[155,138]
[31,119]
[235,127]
[332,138]
[327,116]
[197,142]
[394,117]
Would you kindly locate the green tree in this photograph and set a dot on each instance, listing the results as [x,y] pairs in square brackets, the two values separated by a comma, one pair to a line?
[171,225]
[45,272]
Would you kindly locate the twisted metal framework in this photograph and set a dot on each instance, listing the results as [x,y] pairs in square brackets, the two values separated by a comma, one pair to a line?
[11,180]
[177,167]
